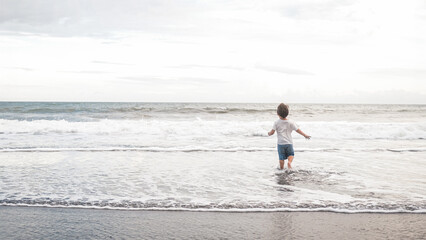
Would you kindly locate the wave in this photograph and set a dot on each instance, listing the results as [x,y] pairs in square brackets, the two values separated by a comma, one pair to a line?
[93,108]
[201,149]
[197,127]
[139,149]
[232,207]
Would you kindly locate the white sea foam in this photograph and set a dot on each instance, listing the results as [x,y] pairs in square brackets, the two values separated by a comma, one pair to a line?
[235,210]
[319,130]
[214,181]
[203,149]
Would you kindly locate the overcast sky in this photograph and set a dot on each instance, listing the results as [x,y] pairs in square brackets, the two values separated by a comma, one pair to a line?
[305,51]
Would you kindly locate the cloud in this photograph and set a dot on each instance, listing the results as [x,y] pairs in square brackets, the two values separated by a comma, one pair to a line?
[191,66]
[284,70]
[104,18]
[324,10]
[92,17]
[396,72]
[214,47]
[194,81]
[112,63]
[86,72]
[20,68]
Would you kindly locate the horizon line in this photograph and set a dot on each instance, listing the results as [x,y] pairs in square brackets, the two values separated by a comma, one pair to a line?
[205,102]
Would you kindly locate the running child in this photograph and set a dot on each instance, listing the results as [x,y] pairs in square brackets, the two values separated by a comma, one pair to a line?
[284,127]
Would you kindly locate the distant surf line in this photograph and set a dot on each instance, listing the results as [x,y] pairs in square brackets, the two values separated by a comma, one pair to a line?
[237,149]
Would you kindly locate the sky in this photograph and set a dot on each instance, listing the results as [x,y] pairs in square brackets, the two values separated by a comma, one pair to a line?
[305,51]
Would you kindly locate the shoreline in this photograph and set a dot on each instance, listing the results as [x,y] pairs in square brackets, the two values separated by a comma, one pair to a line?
[224,210]
[31,222]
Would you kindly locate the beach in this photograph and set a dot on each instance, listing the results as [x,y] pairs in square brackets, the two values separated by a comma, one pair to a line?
[212,119]
[209,171]
[77,223]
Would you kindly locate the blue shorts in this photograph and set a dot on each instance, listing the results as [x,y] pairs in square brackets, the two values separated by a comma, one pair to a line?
[285,151]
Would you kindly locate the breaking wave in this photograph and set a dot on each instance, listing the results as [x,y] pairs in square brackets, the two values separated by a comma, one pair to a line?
[186,149]
[215,128]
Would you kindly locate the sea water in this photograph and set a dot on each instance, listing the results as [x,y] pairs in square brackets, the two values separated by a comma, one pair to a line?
[212,157]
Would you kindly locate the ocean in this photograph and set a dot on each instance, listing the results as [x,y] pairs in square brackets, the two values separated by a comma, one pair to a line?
[212,157]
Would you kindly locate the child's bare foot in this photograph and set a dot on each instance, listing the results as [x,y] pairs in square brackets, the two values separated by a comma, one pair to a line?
[290,159]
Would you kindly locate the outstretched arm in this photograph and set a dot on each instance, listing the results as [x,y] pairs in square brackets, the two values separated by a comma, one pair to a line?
[303,134]
[271,132]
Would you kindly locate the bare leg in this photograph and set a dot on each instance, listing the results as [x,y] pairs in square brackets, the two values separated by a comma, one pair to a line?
[290,159]
[281,164]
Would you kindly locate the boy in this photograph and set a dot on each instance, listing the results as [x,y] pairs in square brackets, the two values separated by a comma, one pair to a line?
[284,127]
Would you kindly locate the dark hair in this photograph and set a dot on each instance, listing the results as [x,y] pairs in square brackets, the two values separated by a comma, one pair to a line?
[282,110]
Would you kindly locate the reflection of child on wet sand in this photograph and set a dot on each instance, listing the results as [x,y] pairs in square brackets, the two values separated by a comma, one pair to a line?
[284,127]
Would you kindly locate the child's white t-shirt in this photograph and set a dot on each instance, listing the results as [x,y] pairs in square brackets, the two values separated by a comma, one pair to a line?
[284,129]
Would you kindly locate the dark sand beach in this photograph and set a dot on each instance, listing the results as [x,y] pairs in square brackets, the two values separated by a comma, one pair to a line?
[74,223]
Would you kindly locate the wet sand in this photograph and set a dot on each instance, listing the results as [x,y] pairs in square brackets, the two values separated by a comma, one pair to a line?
[73,223]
